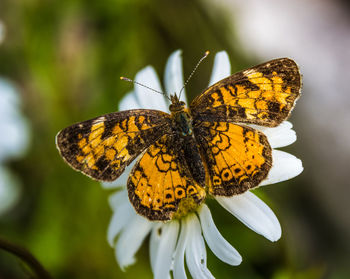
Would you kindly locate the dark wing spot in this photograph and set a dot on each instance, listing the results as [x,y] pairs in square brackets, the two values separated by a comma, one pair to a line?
[274,107]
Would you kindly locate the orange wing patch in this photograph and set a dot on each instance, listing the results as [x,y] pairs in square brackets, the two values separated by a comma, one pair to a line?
[263,95]
[238,158]
[102,147]
[160,186]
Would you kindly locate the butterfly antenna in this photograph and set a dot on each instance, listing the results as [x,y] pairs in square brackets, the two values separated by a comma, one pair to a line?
[193,71]
[152,89]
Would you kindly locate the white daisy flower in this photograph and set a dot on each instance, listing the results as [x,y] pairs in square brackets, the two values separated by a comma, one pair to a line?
[13,145]
[174,242]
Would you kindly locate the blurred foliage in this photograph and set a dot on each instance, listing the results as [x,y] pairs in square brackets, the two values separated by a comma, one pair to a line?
[67,57]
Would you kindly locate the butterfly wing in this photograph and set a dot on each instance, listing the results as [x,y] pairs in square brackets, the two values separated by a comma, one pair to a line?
[160,182]
[237,157]
[102,147]
[262,95]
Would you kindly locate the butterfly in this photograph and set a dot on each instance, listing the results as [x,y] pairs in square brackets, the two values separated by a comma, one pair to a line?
[208,148]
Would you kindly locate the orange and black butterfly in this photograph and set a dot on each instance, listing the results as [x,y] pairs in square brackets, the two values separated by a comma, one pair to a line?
[205,149]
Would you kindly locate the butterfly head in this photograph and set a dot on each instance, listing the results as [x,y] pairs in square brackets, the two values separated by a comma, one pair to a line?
[176,105]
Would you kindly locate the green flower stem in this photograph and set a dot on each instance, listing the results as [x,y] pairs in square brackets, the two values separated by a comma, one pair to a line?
[26,257]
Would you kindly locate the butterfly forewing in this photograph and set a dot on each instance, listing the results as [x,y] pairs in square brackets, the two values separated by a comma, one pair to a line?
[262,95]
[102,147]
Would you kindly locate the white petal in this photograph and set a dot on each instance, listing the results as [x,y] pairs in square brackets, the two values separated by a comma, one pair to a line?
[173,77]
[254,213]
[117,198]
[122,180]
[163,240]
[147,98]
[221,68]
[284,166]
[220,247]
[279,136]
[154,244]
[179,266]
[113,185]
[196,255]
[121,217]
[131,239]
[129,101]
[122,214]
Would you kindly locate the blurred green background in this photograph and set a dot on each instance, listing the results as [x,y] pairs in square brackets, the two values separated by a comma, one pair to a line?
[66,58]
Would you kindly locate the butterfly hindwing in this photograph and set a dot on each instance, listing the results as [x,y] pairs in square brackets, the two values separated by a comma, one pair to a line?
[160,181]
[262,95]
[102,147]
[237,157]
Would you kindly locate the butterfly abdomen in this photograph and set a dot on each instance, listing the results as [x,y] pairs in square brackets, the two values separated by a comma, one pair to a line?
[194,160]
[187,145]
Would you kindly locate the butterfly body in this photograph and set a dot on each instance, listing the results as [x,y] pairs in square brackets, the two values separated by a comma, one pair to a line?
[206,149]
[184,139]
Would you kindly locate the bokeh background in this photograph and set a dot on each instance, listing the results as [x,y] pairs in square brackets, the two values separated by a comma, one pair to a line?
[62,59]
